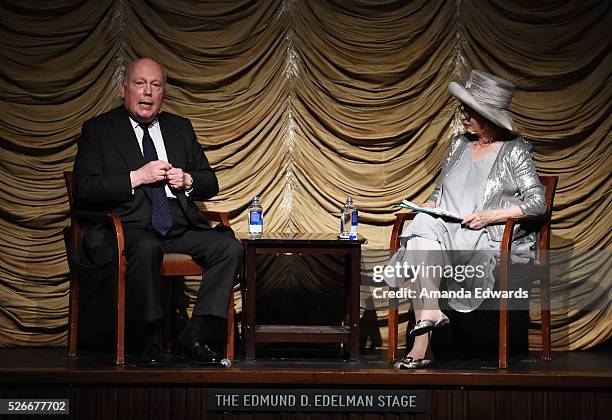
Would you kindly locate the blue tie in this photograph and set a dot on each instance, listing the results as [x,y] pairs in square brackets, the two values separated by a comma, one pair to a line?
[161,219]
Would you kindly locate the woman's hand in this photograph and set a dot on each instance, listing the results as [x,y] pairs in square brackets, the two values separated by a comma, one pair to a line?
[428,205]
[480,219]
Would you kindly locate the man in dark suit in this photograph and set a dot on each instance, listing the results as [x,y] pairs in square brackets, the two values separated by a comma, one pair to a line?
[148,167]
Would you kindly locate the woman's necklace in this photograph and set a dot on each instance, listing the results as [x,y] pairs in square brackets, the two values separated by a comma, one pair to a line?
[482,144]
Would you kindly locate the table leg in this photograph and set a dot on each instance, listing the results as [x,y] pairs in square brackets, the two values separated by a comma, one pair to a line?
[354,302]
[346,319]
[249,303]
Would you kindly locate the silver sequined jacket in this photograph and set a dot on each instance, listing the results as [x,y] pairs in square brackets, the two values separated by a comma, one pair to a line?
[512,180]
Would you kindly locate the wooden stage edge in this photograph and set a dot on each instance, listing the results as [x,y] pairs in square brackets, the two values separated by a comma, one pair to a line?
[571,370]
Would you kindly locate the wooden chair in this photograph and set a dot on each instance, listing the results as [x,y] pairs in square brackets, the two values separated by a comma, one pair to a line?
[502,273]
[173,265]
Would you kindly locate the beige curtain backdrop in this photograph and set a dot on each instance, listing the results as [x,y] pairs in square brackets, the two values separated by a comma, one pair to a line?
[303,103]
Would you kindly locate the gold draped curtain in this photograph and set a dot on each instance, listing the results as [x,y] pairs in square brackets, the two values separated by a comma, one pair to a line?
[303,103]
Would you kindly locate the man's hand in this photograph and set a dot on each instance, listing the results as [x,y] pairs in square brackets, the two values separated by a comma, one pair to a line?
[428,205]
[150,173]
[178,180]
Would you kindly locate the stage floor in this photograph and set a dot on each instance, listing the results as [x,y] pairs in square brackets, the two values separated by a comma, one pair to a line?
[568,370]
[574,385]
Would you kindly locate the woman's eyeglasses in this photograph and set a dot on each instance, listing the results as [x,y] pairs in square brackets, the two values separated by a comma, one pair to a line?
[466,111]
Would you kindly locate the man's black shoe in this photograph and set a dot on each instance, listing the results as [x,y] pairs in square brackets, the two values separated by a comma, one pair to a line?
[199,354]
[152,356]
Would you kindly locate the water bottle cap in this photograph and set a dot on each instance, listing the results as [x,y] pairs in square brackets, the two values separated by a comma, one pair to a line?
[349,200]
[256,199]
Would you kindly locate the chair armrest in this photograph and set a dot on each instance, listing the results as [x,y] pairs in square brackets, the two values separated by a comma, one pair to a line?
[96,217]
[524,220]
[221,217]
[513,221]
[400,219]
[79,216]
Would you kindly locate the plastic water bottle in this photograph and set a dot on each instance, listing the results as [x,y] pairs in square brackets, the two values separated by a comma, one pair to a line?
[349,220]
[255,218]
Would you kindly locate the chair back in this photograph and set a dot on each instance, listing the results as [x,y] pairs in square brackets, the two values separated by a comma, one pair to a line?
[550,186]
[75,228]
[69,188]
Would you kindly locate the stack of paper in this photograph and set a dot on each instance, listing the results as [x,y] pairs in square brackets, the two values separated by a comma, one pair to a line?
[405,204]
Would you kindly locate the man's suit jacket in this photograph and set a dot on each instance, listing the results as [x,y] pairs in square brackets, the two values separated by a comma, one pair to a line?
[107,151]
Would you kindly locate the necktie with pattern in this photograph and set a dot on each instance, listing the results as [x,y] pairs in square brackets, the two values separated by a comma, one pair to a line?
[161,218]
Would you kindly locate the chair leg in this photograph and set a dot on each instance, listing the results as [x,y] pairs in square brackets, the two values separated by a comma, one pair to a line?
[392,332]
[392,324]
[545,319]
[504,337]
[503,271]
[73,316]
[169,300]
[229,345]
[120,317]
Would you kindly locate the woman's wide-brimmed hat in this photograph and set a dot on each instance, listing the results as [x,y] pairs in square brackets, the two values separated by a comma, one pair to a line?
[488,95]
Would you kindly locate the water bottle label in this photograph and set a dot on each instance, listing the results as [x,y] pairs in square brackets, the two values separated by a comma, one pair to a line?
[354,224]
[255,221]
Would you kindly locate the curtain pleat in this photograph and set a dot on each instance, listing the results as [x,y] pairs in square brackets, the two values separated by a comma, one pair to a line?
[303,103]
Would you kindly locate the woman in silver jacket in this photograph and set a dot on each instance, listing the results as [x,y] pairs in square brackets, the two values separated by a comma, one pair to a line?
[488,177]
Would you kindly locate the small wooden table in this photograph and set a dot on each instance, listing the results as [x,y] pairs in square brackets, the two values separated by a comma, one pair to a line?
[303,243]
